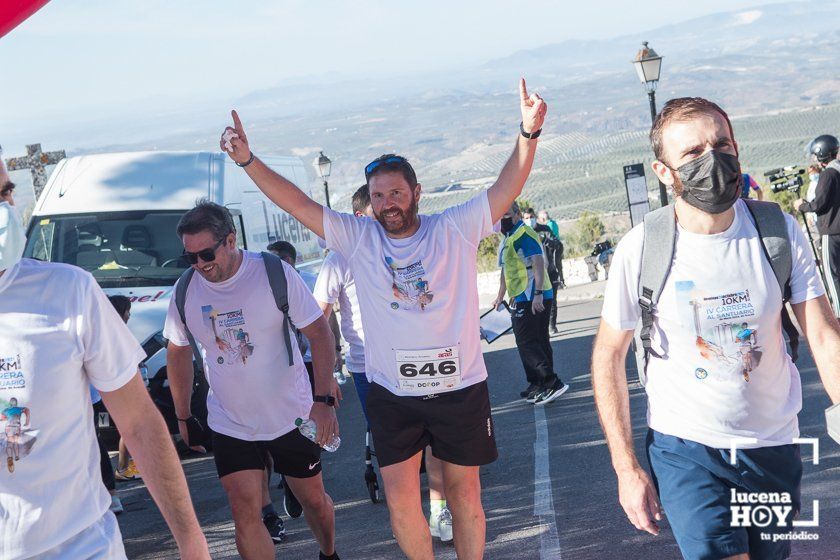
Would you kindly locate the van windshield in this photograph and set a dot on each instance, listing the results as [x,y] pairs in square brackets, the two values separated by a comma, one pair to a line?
[137,248]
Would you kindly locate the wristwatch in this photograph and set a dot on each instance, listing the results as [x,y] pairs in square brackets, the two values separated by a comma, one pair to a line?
[538,292]
[328,400]
[529,135]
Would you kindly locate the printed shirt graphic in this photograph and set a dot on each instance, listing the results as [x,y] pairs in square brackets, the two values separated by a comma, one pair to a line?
[230,336]
[724,335]
[408,284]
[62,337]
[417,293]
[254,394]
[726,372]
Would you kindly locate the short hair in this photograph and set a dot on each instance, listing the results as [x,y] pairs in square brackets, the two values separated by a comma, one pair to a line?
[121,304]
[400,165]
[682,109]
[361,199]
[283,249]
[515,207]
[207,216]
[529,210]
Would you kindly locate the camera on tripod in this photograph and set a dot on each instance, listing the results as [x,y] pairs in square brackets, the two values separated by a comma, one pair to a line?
[786,178]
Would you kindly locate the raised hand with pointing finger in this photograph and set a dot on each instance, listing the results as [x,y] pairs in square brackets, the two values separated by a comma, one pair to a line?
[234,141]
[533,109]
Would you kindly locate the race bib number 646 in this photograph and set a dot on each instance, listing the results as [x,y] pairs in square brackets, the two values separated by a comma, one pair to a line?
[423,372]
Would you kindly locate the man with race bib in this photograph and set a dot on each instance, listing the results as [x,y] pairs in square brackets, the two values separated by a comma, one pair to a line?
[415,278]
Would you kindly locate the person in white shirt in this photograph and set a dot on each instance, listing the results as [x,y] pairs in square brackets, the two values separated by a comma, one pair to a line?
[335,284]
[255,394]
[60,337]
[724,376]
[419,303]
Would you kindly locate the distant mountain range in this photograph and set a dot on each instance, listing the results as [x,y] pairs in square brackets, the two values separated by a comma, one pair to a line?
[459,126]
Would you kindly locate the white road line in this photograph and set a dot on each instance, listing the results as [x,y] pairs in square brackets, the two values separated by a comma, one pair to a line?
[543,498]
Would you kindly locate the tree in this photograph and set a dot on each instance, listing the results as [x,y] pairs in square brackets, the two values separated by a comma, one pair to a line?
[588,231]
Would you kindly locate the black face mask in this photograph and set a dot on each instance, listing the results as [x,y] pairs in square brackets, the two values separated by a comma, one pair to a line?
[506,225]
[711,183]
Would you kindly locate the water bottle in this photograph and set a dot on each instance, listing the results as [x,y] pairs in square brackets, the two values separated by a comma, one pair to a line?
[308,429]
[340,376]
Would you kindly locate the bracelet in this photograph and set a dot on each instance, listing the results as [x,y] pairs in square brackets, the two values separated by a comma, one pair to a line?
[529,135]
[247,163]
[184,419]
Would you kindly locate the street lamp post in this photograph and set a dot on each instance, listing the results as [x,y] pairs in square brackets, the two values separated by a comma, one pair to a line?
[648,65]
[323,164]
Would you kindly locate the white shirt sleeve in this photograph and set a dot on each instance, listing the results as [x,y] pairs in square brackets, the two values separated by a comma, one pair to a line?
[472,218]
[303,309]
[173,329]
[805,281]
[111,353]
[621,296]
[329,283]
[343,232]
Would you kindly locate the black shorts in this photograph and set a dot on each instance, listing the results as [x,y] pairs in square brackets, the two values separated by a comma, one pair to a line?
[457,425]
[293,455]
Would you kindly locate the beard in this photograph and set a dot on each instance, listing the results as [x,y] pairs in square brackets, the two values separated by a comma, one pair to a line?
[401,221]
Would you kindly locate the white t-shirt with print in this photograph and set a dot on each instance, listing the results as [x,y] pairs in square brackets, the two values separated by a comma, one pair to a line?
[335,283]
[61,335]
[254,395]
[418,297]
[726,372]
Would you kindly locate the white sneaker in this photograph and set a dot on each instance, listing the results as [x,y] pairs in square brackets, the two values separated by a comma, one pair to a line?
[441,527]
[116,505]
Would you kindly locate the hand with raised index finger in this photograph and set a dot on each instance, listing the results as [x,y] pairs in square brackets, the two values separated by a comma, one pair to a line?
[234,141]
[533,108]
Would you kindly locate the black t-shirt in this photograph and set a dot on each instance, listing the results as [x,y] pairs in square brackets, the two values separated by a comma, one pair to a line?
[826,203]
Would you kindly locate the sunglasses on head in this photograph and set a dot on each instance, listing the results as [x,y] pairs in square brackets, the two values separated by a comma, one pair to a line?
[207,255]
[371,167]
[7,189]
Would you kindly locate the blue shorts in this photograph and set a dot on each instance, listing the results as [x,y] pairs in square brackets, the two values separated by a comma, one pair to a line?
[696,483]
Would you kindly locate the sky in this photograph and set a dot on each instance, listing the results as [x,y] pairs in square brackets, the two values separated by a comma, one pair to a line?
[80,60]
[80,66]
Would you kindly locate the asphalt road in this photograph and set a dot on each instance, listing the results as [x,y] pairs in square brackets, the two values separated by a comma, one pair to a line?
[551,494]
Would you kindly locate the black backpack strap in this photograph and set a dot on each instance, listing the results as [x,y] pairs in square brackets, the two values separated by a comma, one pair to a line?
[180,301]
[280,290]
[770,223]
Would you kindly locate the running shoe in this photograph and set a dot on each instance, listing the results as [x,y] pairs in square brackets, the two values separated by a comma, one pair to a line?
[276,527]
[531,388]
[290,503]
[557,389]
[441,527]
[130,472]
[534,395]
[116,505]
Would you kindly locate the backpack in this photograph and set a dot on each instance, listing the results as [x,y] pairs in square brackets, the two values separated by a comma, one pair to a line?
[277,281]
[658,255]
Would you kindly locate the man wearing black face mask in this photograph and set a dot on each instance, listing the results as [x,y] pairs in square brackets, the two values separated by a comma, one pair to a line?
[524,277]
[718,373]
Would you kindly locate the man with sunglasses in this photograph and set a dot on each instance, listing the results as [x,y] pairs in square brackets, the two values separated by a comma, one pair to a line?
[415,278]
[256,391]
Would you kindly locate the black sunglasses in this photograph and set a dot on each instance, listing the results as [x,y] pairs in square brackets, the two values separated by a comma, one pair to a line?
[7,189]
[207,255]
[371,167]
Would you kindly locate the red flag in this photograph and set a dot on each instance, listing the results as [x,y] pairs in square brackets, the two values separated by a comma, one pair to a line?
[14,12]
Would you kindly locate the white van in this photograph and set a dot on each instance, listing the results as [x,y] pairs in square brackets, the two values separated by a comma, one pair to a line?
[115,215]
